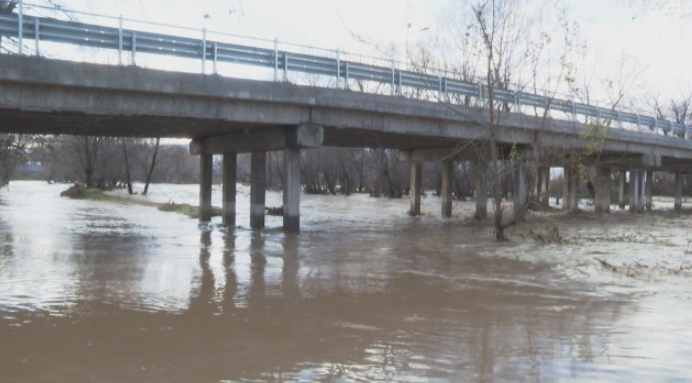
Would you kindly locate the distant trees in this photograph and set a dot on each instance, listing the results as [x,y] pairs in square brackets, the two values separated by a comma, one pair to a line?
[107,162]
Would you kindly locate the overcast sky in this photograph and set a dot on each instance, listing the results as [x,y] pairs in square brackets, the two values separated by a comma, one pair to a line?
[655,42]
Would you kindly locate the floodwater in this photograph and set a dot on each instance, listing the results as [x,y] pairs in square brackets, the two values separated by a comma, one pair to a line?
[103,292]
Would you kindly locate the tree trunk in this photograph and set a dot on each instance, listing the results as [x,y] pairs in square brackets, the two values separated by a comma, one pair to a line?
[128,176]
[150,172]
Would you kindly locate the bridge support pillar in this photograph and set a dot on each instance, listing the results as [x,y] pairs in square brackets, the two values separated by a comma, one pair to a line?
[566,176]
[621,189]
[291,190]
[480,168]
[543,186]
[520,191]
[602,190]
[648,190]
[632,192]
[636,192]
[678,192]
[205,182]
[415,188]
[446,190]
[258,187]
[570,202]
[230,169]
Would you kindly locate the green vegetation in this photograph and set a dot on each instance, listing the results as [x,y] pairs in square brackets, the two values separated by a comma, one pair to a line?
[94,194]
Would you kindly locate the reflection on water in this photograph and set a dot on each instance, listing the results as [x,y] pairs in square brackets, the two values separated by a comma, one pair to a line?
[95,292]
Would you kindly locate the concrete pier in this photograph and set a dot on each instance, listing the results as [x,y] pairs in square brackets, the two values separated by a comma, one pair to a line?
[648,190]
[622,179]
[566,176]
[258,186]
[230,170]
[205,181]
[291,190]
[480,168]
[602,193]
[678,191]
[520,193]
[543,186]
[446,189]
[636,191]
[415,188]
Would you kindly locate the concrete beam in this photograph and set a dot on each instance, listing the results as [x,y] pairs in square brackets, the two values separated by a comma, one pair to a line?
[294,137]
[205,182]
[436,155]
[258,188]
[291,190]
[230,170]
[446,189]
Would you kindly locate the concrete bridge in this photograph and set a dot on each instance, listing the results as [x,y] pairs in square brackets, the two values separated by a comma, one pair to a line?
[229,116]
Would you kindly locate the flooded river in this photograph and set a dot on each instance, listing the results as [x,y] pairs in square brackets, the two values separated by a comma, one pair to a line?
[104,292]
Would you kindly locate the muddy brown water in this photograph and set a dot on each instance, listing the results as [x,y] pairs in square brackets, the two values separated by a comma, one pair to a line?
[101,292]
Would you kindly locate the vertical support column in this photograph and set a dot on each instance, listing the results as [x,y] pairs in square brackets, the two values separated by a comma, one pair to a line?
[446,192]
[520,194]
[678,191]
[415,187]
[641,190]
[230,170]
[480,168]
[573,191]
[205,181]
[292,190]
[621,189]
[258,187]
[648,189]
[544,186]
[602,190]
[632,194]
[635,193]
[566,188]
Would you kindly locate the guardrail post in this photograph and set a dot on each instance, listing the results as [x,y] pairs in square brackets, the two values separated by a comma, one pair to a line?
[348,74]
[639,121]
[619,119]
[655,123]
[133,51]
[516,102]
[276,59]
[338,70]
[439,88]
[37,36]
[204,51]
[20,33]
[120,40]
[574,110]
[392,84]
[216,58]
[285,66]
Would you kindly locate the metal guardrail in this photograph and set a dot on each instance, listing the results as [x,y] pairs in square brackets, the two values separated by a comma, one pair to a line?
[281,61]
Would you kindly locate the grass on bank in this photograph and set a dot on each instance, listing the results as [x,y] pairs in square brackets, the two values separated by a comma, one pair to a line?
[94,194]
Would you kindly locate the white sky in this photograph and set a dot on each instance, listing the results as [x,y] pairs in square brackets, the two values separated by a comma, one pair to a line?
[653,42]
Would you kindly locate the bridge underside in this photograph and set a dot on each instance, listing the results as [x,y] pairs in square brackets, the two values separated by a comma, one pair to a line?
[228,116]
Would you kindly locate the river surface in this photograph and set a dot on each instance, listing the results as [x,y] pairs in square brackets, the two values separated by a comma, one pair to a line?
[106,292]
